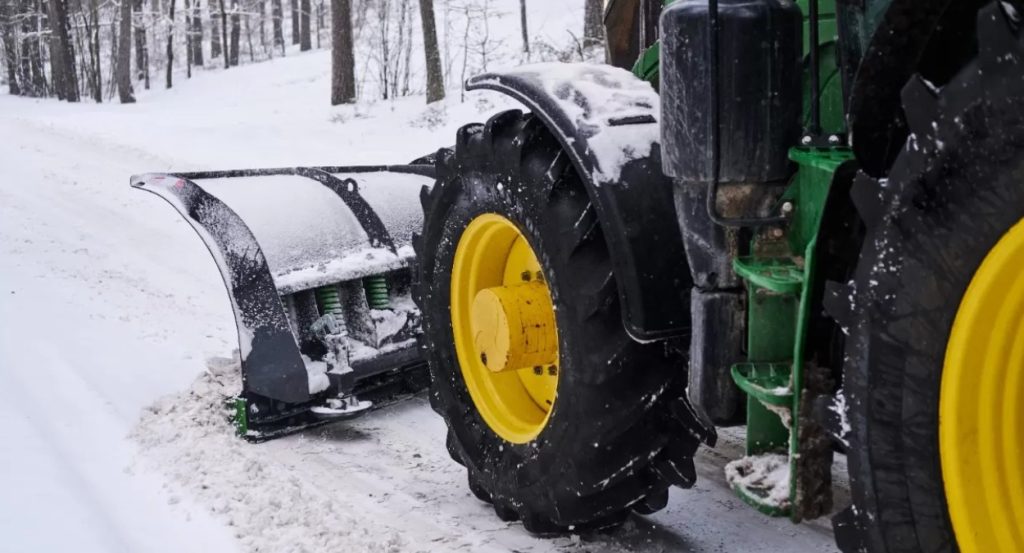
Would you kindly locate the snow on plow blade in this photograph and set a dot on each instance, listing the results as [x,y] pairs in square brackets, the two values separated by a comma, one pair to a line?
[316,263]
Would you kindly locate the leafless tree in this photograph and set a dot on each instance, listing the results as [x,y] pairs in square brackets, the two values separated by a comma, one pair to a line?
[141,47]
[188,39]
[435,79]
[170,44]
[276,9]
[295,21]
[197,34]
[10,48]
[343,67]
[593,26]
[224,33]
[304,37]
[236,32]
[216,46]
[124,55]
[62,55]
[523,27]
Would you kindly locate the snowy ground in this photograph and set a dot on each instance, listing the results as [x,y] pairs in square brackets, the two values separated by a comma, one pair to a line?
[109,302]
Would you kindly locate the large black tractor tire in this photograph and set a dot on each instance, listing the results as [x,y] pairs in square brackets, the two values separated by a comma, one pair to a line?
[953,192]
[620,431]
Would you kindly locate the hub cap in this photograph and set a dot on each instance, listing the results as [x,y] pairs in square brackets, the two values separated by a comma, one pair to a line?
[503,322]
[981,405]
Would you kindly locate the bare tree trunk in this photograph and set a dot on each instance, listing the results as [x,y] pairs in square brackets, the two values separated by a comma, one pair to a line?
[524,27]
[319,23]
[141,46]
[63,59]
[170,43]
[56,64]
[236,30]
[304,38]
[10,49]
[593,24]
[343,67]
[435,79]
[197,35]
[112,81]
[295,21]
[36,53]
[92,71]
[276,11]
[248,32]
[267,50]
[216,49]
[188,40]
[124,55]
[33,77]
[224,33]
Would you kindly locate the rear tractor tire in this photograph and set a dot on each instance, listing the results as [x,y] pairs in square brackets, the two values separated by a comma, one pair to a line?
[572,425]
[934,377]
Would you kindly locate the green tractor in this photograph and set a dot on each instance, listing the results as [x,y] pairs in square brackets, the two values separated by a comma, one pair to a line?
[802,217]
[806,217]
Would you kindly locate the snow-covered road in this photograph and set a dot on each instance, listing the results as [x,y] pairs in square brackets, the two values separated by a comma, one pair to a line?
[108,302]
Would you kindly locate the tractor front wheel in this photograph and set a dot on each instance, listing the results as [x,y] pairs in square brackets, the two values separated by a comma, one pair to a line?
[560,418]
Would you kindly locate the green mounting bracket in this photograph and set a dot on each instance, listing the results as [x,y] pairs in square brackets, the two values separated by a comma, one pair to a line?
[783,275]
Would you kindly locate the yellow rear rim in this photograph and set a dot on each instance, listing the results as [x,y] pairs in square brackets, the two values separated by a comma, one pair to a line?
[503,322]
[981,405]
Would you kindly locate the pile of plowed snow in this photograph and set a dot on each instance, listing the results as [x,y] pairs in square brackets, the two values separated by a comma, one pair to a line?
[269,506]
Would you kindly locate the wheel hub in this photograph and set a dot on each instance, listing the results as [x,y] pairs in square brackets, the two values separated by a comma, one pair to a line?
[504,328]
[514,327]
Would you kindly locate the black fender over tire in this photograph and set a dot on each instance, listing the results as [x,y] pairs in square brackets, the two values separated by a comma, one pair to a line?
[621,431]
[955,189]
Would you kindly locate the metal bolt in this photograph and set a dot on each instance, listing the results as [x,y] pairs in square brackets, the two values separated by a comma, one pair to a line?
[833,139]
[538,370]
[526,276]
[787,207]
[553,370]
[777,232]
[539,276]
[806,140]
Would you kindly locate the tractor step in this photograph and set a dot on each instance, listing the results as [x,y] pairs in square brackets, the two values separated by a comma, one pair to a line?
[769,383]
[762,481]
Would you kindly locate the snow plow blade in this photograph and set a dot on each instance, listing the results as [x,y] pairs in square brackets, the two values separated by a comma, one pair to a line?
[316,264]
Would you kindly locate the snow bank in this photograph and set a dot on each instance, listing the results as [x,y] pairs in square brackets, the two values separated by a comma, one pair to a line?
[269,506]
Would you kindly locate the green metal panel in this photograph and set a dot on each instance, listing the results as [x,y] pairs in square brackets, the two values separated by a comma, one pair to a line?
[779,286]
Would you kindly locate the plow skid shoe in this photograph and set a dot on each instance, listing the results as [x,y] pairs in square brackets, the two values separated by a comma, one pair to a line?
[316,264]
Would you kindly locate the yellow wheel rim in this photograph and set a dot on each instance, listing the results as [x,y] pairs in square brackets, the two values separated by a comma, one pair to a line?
[503,322]
[981,405]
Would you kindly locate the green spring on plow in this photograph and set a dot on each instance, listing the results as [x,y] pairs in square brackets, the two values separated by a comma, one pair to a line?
[376,291]
[330,300]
